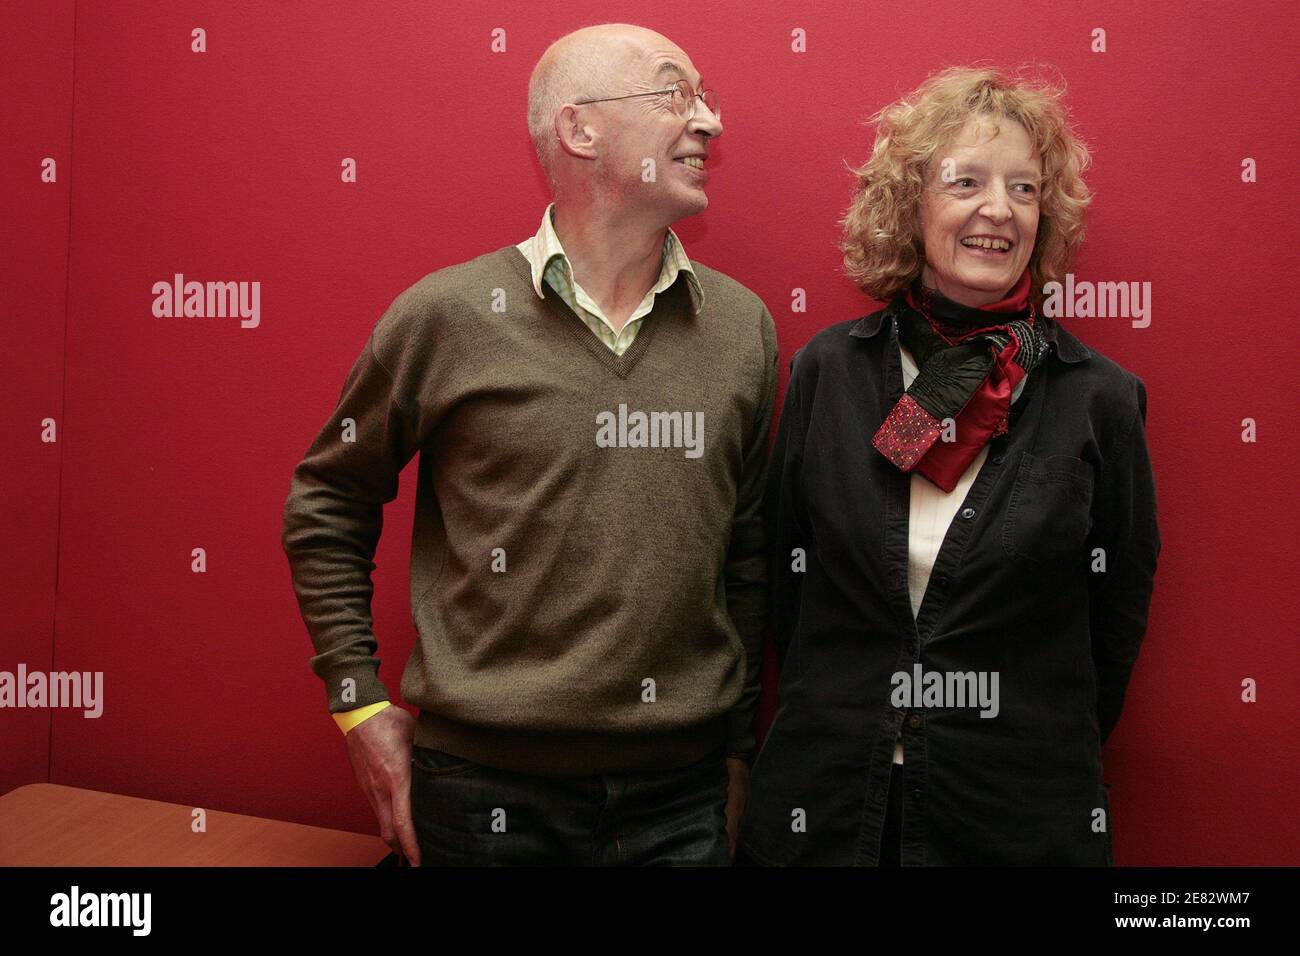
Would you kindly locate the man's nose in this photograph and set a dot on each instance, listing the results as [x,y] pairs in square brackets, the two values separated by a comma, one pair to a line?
[704,121]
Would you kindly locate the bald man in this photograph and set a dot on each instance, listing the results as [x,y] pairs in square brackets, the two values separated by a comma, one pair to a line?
[588,582]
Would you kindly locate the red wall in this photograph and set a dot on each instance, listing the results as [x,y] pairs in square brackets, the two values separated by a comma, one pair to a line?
[181,433]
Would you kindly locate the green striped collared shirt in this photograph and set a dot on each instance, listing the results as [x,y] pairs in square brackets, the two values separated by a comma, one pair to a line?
[547,258]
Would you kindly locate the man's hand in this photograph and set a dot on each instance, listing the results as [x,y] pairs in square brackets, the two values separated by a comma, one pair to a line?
[737,793]
[380,750]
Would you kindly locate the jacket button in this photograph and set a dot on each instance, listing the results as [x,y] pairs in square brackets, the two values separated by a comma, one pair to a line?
[968,513]
[997,459]
[915,720]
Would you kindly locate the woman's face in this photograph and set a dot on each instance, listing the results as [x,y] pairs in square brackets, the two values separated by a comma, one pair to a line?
[981,188]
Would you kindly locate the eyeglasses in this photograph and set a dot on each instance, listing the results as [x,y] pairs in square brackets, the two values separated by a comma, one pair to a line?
[684,99]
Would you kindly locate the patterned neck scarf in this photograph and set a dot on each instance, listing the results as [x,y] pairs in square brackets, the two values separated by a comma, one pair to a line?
[970,361]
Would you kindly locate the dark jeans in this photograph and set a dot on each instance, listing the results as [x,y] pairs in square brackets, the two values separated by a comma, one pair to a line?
[891,836]
[468,814]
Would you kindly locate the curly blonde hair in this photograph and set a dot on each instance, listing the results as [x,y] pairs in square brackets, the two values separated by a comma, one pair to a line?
[882,244]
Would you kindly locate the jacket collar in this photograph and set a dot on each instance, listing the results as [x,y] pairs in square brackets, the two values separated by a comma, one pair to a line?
[1064,345]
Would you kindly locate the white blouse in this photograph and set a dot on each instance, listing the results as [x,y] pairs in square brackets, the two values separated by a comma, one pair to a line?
[930,513]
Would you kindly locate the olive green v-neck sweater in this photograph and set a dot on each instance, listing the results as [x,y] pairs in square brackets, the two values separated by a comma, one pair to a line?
[588,578]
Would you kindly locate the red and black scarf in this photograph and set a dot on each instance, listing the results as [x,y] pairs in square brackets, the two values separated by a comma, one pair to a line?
[970,361]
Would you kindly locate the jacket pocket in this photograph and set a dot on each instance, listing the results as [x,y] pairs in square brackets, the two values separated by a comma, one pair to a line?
[1049,515]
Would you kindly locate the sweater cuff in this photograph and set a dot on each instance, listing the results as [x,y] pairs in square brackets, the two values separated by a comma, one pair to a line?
[352,684]
[350,718]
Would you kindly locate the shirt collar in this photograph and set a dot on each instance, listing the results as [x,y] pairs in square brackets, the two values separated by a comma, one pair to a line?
[545,246]
[1065,346]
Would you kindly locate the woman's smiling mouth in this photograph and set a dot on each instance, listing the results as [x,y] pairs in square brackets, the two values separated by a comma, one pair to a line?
[987,245]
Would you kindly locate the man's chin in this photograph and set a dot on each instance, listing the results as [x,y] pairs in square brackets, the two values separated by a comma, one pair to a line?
[695,203]
[679,205]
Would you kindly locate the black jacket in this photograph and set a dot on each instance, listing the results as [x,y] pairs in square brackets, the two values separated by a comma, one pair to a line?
[1013,590]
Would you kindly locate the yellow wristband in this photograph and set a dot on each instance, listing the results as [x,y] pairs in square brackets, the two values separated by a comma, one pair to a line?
[350,718]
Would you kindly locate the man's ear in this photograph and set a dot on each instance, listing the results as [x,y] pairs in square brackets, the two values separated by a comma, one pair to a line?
[576,138]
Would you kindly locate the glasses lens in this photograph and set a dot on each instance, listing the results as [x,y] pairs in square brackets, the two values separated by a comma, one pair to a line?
[682,94]
[711,101]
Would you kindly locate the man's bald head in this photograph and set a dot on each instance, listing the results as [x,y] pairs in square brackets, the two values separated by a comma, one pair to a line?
[580,66]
